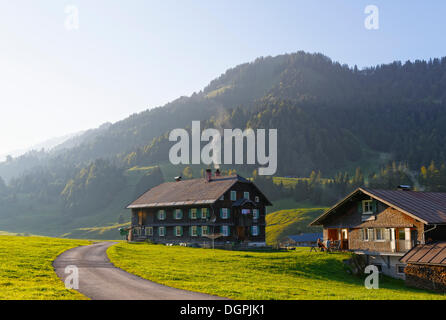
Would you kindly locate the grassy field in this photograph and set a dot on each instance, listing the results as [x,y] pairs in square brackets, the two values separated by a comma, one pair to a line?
[254,275]
[290,222]
[26,271]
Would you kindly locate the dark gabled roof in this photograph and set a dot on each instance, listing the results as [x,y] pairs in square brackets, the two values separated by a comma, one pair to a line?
[428,254]
[188,192]
[242,202]
[307,237]
[428,207]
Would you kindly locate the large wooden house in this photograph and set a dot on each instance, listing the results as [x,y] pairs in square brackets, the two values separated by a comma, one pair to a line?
[383,225]
[230,209]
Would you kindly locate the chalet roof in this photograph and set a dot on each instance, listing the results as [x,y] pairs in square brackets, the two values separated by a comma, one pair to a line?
[429,254]
[307,237]
[428,207]
[188,192]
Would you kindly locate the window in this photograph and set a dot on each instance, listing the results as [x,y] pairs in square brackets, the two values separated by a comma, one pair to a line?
[178,214]
[256,214]
[162,231]
[224,213]
[400,268]
[193,231]
[379,234]
[178,231]
[193,213]
[204,213]
[161,215]
[246,211]
[370,235]
[246,195]
[204,230]
[149,231]
[364,235]
[233,195]
[367,207]
[225,231]
[257,199]
[255,230]
[401,234]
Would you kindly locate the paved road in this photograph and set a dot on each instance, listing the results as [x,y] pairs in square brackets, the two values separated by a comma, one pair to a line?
[100,280]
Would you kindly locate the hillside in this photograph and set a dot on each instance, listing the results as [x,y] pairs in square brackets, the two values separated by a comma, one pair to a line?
[285,223]
[332,119]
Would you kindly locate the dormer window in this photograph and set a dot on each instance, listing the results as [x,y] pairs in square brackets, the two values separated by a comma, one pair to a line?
[367,207]
[246,195]
[233,195]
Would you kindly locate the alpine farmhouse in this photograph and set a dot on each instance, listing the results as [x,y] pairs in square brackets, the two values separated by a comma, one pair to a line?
[216,209]
[384,225]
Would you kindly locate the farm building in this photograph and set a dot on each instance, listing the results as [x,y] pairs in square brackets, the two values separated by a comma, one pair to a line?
[426,266]
[227,208]
[383,225]
[303,240]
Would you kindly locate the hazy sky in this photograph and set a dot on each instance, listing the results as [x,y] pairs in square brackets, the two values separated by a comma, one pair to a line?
[128,56]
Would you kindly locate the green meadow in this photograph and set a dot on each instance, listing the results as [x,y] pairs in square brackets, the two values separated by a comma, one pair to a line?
[294,275]
[26,270]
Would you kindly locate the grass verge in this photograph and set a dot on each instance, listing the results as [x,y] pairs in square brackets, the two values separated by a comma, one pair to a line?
[253,275]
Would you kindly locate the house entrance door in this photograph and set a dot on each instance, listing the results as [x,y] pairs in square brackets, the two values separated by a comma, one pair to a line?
[241,233]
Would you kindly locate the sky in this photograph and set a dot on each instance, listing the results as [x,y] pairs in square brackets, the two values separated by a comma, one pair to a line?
[67,66]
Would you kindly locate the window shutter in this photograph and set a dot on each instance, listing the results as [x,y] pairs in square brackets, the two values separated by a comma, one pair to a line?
[229,213]
[199,213]
[229,230]
[208,214]
[360,207]
[221,229]
[374,206]
[190,213]
[199,231]
[221,213]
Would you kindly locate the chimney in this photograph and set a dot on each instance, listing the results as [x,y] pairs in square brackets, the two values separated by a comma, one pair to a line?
[217,173]
[404,188]
[208,175]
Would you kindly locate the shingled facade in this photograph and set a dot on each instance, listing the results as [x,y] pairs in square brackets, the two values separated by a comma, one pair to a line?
[229,208]
[383,225]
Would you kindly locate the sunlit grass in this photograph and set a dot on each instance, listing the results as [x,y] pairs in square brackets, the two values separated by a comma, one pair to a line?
[253,275]
[26,270]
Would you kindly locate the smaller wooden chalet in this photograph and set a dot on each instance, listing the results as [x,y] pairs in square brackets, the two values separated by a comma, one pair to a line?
[227,208]
[384,225]
[426,266]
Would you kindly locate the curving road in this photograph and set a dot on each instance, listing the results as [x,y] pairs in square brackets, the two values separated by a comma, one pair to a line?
[99,279]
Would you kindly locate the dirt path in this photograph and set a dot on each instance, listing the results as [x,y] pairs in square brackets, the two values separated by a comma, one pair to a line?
[100,280]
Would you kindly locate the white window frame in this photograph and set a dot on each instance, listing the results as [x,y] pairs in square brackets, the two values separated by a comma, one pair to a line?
[370,234]
[178,231]
[162,234]
[149,231]
[194,231]
[256,232]
[193,213]
[224,213]
[257,199]
[255,214]
[225,231]
[203,232]
[178,211]
[161,215]
[383,235]
[233,195]
[204,213]
[369,204]
[246,195]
